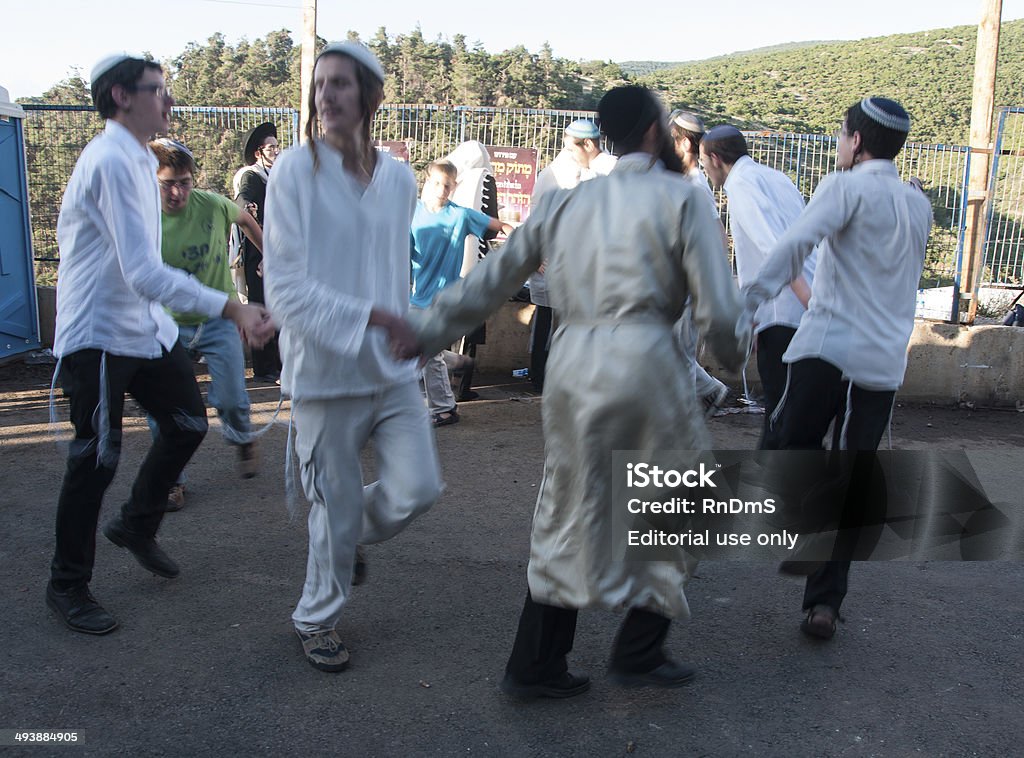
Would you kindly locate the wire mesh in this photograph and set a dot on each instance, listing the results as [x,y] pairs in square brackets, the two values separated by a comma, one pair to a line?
[1004,242]
[55,135]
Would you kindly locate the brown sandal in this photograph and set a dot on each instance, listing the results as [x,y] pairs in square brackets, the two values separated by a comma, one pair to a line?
[820,622]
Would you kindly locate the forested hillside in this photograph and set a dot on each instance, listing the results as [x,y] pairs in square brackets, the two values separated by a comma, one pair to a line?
[800,88]
[806,89]
[265,72]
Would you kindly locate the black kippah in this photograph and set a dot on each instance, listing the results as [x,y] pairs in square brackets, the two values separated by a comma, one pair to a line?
[886,112]
[627,112]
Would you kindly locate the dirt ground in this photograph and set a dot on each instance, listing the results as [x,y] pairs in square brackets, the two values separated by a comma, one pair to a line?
[929,661]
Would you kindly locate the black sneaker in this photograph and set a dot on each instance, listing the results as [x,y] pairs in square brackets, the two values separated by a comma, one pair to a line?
[79,610]
[145,549]
[324,650]
[562,686]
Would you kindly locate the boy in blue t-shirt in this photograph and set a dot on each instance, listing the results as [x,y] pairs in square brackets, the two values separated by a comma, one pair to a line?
[439,231]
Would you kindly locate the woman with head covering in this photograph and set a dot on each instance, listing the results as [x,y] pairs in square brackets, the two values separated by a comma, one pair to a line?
[337,268]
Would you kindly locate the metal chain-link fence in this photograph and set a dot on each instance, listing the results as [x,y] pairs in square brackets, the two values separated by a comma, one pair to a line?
[1004,243]
[55,135]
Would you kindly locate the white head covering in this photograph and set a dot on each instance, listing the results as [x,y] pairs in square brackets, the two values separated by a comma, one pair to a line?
[583,128]
[105,64]
[472,165]
[471,154]
[357,51]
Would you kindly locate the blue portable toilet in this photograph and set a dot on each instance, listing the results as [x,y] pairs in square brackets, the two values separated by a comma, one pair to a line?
[19,317]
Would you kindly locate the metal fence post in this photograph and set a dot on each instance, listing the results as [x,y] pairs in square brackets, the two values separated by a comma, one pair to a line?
[965,186]
[799,164]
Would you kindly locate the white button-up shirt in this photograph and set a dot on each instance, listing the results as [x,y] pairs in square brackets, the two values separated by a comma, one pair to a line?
[763,203]
[700,180]
[112,284]
[333,251]
[873,229]
[563,173]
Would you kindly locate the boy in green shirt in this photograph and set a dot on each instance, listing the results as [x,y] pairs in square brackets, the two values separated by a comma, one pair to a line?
[195,228]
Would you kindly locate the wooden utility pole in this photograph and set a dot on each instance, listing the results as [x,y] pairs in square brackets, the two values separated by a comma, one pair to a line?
[978,200]
[307,60]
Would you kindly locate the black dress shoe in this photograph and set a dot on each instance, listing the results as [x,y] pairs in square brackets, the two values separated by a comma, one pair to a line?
[669,674]
[145,549]
[79,610]
[564,685]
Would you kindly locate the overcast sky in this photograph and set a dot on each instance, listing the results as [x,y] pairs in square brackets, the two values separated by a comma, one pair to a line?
[45,39]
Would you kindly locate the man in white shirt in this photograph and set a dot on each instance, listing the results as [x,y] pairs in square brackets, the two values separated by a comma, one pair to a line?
[849,354]
[583,140]
[687,131]
[113,336]
[763,203]
[337,272]
[580,160]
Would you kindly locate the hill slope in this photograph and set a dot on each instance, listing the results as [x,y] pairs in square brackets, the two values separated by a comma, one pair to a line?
[806,89]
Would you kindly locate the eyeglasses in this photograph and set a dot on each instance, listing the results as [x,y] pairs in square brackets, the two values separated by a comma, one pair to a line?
[168,184]
[271,148]
[160,90]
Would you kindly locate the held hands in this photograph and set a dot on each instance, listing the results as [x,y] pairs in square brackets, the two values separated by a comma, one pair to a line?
[253,321]
[401,338]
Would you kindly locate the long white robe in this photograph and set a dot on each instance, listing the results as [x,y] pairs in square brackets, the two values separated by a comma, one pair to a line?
[623,255]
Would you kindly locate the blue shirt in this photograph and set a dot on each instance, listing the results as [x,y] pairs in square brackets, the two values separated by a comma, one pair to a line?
[438,245]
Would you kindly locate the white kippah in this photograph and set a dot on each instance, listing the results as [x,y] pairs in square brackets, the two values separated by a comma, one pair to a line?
[105,64]
[583,128]
[691,122]
[899,122]
[172,144]
[359,52]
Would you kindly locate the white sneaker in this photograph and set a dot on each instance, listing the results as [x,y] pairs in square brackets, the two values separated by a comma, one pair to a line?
[714,400]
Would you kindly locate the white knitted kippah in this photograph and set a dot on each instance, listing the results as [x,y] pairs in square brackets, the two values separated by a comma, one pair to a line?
[359,52]
[583,128]
[105,64]
[691,122]
[873,109]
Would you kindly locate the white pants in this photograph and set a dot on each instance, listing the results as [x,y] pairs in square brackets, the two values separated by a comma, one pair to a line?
[343,513]
[687,337]
[437,385]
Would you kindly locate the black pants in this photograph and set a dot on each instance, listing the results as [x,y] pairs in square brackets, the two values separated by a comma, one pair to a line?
[815,395]
[546,633]
[477,337]
[771,346]
[539,338]
[166,388]
[266,360]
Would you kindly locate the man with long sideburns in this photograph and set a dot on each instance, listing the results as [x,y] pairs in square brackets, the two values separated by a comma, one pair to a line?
[337,269]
